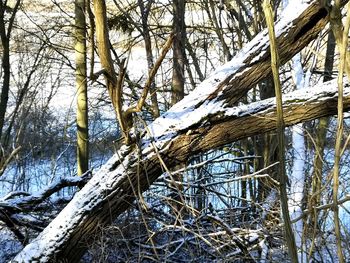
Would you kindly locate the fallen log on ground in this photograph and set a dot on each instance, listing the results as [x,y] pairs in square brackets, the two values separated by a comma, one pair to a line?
[203,120]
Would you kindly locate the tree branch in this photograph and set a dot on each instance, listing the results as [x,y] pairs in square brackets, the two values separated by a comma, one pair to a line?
[203,120]
[151,75]
[111,188]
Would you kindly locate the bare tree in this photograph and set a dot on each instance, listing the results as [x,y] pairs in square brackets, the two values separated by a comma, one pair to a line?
[199,122]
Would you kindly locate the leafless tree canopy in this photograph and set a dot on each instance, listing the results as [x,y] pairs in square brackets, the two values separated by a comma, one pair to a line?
[185,131]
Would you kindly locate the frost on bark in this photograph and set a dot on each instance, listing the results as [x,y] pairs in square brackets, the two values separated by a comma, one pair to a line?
[203,120]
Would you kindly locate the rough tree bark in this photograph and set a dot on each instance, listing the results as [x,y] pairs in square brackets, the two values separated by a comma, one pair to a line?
[113,189]
[179,29]
[178,85]
[203,120]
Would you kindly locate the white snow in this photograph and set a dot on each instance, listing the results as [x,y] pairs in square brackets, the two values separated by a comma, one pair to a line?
[191,108]
[264,251]
[84,201]
[103,181]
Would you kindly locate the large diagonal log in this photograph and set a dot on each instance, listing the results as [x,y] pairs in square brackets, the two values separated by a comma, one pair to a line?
[112,189]
[203,120]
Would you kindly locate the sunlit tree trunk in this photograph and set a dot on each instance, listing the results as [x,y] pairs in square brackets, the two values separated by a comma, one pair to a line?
[341,38]
[195,129]
[343,65]
[275,63]
[81,83]
[114,81]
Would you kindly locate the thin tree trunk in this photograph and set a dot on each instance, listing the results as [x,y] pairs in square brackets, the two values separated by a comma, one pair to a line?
[81,83]
[212,17]
[178,78]
[338,143]
[199,122]
[111,190]
[280,134]
[5,34]
[149,55]
[113,81]
[178,87]
[341,38]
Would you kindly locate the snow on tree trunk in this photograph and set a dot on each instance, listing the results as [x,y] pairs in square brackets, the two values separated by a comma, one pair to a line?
[113,187]
[203,120]
[297,177]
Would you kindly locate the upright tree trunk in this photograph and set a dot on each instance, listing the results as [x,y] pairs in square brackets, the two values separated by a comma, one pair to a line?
[203,120]
[341,38]
[6,26]
[275,63]
[81,83]
[6,78]
[266,145]
[5,34]
[178,79]
[178,85]
[210,8]
[343,51]
[113,81]
[297,176]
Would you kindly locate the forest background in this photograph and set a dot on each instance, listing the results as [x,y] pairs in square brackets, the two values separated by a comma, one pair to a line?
[82,82]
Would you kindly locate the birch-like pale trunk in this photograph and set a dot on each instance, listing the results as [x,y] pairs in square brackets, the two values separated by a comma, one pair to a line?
[203,120]
[297,177]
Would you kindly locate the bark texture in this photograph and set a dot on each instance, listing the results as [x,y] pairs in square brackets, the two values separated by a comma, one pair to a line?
[178,79]
[114,187]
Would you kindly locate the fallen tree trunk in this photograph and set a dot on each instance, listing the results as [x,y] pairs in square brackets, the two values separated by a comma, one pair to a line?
[19,208]
[201,121]
[113,188]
